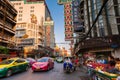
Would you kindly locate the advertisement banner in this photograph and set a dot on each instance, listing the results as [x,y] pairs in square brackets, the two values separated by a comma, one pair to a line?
[68,21]
[33,1]
[64,1]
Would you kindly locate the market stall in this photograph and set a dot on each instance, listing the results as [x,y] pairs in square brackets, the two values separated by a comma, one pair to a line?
[97,72]
[101,68]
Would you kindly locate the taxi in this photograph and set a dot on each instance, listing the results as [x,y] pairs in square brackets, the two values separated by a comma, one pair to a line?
[13,65]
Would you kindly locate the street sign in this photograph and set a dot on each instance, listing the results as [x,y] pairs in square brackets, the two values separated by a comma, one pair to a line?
[64,1]
[48,23]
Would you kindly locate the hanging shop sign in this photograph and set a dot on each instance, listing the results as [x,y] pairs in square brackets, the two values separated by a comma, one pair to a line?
[68,21]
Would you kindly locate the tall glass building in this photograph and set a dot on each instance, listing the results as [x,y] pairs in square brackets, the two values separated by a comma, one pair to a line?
[104,36]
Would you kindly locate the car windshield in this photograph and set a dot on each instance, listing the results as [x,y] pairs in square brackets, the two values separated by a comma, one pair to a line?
[59,58]
[30,59]
[6,62]
[42,60]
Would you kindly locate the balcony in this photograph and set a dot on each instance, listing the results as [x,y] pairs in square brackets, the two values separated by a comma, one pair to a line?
[1,24]
[19,29]
[11,20]
[10,15]
[99,42]
[9,30]
[8,27]
[1,13]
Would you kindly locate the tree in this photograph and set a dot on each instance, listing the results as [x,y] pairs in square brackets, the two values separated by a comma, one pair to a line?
[3,50]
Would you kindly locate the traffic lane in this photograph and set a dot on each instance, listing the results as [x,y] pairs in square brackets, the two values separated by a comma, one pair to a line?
[55,74]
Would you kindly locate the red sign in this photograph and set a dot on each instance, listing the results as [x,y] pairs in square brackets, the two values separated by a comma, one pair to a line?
[68,21]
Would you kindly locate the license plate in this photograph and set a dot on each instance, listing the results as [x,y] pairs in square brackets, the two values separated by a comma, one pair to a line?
[37,68]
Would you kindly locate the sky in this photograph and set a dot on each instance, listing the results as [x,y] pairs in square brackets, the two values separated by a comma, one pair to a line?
[57,13]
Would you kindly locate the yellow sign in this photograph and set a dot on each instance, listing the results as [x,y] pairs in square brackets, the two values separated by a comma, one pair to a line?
[48,23]
[25,36]
[63,1]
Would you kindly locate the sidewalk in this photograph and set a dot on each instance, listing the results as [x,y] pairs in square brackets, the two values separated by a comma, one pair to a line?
[84,73]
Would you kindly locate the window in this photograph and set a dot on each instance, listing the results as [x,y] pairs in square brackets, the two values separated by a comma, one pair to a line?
[118,20]
[19,3]
[20,7]
[20,15]
[31,10]
[102,32]
[75,9]
[20,19]
[115,2]
[116,11]
[119,28]
[32,7]
[20,11]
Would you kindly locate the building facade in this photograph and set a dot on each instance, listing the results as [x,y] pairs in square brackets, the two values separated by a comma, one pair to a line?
[102,34]
[30,19]
[8,16]
[27,32]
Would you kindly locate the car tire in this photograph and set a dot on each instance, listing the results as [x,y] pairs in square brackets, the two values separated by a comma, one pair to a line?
[9,73]
[33,71]
[27,67]
[48,68]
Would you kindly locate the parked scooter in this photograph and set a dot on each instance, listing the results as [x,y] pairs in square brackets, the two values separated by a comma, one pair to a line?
[68,66]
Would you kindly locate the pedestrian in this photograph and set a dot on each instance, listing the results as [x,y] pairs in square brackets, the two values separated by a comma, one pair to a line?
[76,62]
[111,65]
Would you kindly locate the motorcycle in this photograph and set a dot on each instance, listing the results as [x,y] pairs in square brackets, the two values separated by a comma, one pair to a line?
[68,66]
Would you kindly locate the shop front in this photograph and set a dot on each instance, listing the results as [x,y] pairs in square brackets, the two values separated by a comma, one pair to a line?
[95,53]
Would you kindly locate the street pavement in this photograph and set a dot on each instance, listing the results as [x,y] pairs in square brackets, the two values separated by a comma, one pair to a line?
[55,74]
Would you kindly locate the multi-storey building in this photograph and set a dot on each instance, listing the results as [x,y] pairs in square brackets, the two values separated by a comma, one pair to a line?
[105,33]
[30,19]
[7,24]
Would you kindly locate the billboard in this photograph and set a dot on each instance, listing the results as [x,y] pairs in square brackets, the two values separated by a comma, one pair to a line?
[64,1]
[33,1]
[48,23]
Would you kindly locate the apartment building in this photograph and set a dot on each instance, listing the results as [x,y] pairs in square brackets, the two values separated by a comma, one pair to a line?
[30,19]
[105,33]
[8,16]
